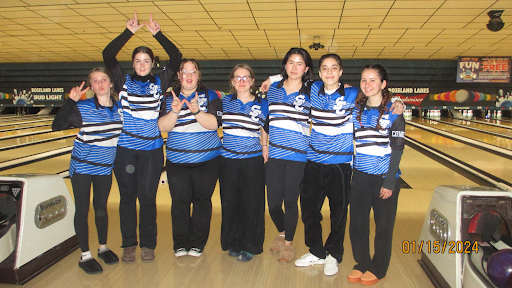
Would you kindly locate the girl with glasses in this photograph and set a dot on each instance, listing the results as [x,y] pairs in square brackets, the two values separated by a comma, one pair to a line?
[191,117]
[139,160]
[242,171]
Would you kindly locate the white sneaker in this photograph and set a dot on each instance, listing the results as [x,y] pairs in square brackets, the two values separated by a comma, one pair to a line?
[331,266]
[309,259]
[195,252]
[180,252]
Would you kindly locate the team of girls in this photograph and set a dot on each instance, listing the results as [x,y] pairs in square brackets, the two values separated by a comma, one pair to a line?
[139,160]
[92,158]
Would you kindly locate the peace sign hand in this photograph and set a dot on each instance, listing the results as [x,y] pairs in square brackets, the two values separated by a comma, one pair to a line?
[177,104]
[153,26]
[76,92]
[133,24]
[193,105]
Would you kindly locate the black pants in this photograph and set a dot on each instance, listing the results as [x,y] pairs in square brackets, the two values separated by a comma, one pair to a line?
[138,173]
[283,179]
[242,194]
[333,181]
[191,184]
[82,191]
[364,196]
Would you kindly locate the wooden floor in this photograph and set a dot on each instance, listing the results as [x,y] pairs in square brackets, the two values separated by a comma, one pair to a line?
[216,269]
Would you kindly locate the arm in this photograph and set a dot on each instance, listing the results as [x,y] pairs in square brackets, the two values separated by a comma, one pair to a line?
[271,79]
[397,142]
[167,121]
[398,106]
[69,114]
[264,145]
[174,53]
[210,120]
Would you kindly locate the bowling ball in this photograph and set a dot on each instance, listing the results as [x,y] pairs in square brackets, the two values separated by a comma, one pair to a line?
[499,268]
[2,96]
[452,95]
[461,96]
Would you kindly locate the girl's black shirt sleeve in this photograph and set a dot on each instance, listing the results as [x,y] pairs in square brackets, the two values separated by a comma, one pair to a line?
[68,116]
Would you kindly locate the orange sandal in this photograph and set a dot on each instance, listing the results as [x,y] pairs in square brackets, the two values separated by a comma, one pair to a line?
[369,278]
[355,276]
[277,245]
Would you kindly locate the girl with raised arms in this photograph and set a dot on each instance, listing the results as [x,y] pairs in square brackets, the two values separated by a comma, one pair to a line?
[139,160]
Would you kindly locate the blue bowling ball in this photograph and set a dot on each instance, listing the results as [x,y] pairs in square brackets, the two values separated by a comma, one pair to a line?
[499,268]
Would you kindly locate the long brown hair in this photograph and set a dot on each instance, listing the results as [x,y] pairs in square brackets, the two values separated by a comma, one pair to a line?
[386,96]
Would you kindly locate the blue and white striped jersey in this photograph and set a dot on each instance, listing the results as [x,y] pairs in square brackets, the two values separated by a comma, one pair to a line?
[373,147]
[141,106]
[95,145]
[288,121]
[241,126]
[332,138]
[188,141]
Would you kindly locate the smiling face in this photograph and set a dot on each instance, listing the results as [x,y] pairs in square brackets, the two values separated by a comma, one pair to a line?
[371,84]
[242,80]
[330,72]
[189,76]
[100,84]
[295,67]
[142,64]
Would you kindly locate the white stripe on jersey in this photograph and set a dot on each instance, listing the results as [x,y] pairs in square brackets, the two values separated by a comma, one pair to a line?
[375,150]
[189,128]
[334,131]
[290,125]
[285,108]
[235,119]
[103,143]
[100,129]
[241,132]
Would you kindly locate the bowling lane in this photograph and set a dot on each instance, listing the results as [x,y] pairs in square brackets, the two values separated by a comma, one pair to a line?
[475,135]
[6,124]
[25,131]
[503,122]
[10,118]
[37,138]
[35,149]
[20,126]
[48,166]
[496,165]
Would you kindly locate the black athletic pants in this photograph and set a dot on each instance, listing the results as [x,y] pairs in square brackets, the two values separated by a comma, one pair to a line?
[137,173]
[82,191]
[191,184]
[333,181]
[283,179]
[364,196]
[242,194]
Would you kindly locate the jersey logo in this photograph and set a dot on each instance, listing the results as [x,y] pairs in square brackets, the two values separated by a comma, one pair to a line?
[202,102]
[120,111]
[384,121]
[299,100]
[153,89]
[255,111]
[339,105]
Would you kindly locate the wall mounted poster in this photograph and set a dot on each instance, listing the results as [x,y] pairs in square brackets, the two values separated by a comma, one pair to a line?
[483,70]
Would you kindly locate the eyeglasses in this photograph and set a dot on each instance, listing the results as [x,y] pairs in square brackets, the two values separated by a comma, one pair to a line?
[239,79]
[184,73]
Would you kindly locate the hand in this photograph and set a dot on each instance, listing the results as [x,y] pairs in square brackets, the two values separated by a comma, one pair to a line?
[153,26]
[133,24]
[193,105]
[397,108]
[264,152]
[385,193]
[347,86]
[265,85]
[177,104]
[77,92]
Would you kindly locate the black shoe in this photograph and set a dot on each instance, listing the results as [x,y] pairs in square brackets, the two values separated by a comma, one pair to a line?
[108,256]
[90,266]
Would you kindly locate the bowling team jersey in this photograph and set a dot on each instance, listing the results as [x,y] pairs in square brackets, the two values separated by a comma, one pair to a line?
[241,126]
[94,148]
[331,140]
[188,141]
[288,121]
[141,96]
[373,147]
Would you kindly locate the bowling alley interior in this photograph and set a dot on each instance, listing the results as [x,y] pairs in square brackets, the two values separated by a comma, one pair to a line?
[448,63]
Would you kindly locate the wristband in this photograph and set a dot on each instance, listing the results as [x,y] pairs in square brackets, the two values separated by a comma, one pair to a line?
[177,113]
[196,112]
